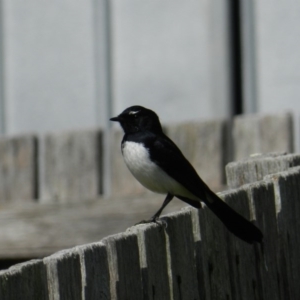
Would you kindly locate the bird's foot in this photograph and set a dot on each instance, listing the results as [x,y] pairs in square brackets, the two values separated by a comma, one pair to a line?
[157,221]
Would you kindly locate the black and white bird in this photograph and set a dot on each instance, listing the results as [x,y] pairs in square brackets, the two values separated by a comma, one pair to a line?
[158,164]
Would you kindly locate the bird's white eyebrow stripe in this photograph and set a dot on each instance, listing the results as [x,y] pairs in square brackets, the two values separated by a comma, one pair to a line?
[133,112]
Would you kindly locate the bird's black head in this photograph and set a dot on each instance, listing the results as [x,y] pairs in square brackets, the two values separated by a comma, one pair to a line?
[137,118]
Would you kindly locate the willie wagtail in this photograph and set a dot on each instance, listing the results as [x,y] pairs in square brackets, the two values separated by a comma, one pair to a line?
[158,164]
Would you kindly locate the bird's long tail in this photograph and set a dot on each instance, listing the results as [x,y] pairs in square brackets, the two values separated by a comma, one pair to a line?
[234,222]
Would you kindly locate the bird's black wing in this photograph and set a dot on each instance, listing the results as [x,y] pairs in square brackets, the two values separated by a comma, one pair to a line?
[170,159]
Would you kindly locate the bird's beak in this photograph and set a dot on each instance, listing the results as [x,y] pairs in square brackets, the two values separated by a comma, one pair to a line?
[116,119]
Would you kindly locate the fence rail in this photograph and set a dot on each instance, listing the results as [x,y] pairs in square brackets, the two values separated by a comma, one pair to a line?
[194,257]
[68,167]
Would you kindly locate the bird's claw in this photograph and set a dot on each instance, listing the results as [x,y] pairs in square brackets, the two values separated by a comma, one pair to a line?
[157,221]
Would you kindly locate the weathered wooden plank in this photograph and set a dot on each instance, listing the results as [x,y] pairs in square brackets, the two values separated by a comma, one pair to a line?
[245,132]
[154,261]
[24,281]
[70,166]
[254,274]
[95,271]
[181,255]
[37,230]
[276,133]
[287,191]
[194,257]
[64,275]
[262,197]
[240,255]
[256,167]
[18,168]
[262,133]
[212,262]
[124,266]
[198,256]
[204,145]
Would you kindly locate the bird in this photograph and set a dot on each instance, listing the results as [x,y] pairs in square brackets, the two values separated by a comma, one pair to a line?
[160,166]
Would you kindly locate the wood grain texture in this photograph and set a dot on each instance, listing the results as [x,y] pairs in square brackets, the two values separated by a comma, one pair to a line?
[37,230]
[18,169]
[95,271]
[24,281]
[181,255]
[124,266]
[64,275]
[287,193]
[256,167]
[262,133]
[192,257]
[154,261]
[70,166]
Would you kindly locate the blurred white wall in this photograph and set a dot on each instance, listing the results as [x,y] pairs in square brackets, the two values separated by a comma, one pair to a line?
[271,58]
[277,29]
[164,55]
[48,65]
[59,57]
[72,64]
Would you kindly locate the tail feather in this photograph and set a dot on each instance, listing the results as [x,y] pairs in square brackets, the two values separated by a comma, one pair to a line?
[234,222]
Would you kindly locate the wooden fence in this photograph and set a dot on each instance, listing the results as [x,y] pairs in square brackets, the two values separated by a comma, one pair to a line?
[68,167]
[193,257]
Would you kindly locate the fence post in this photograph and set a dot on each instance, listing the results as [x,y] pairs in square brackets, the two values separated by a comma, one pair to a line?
[24,281]
[64,275]
[70,166]
[18,168]
[256,167]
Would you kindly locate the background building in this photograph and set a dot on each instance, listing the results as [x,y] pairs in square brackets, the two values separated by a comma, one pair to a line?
[72,64]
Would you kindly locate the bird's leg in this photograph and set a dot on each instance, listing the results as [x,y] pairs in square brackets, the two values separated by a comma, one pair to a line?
[165,203]
[157,214]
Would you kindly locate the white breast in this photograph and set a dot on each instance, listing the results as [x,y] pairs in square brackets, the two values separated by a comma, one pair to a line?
[137,159]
